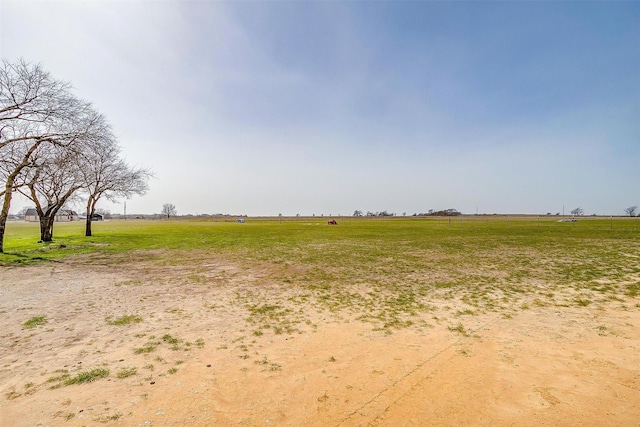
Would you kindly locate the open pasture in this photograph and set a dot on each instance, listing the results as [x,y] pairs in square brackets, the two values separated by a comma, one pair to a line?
[395,321]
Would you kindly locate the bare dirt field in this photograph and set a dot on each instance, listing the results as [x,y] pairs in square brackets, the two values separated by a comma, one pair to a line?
[220,342]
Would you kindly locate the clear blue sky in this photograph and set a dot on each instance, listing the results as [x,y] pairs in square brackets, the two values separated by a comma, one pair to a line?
[263,108]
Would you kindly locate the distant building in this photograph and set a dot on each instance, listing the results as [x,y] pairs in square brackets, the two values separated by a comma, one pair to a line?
[63,215]
[31,215]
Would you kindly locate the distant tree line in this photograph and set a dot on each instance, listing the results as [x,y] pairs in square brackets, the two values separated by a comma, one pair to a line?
[431,212]
[629,211]
[577,212]
[369,213]
[445,212]
[56,149]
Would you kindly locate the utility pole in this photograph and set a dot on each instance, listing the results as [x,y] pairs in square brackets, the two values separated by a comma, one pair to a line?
[125,210]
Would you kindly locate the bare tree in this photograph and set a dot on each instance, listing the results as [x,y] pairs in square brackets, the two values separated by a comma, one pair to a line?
[577,212]
[37,112]
[169,210]
[357,213]
[105,174]
[51,186]
[631,210]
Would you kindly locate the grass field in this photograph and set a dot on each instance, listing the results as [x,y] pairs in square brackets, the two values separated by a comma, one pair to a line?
[371,322]
[280,237]
[391,267]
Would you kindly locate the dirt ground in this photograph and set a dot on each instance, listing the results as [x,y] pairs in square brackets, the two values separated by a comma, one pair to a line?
[197,357]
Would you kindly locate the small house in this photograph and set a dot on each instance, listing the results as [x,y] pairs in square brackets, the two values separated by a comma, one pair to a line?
[97,217]
[66,215]
[31,215]
[63,215]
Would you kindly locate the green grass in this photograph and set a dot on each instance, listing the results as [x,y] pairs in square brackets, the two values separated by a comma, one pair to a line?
[126,372]
[87,376]
[124,320]
[35,321]
[387,272]
[279,238]
[106,418]
[459,328]
[169,339]
[147,348]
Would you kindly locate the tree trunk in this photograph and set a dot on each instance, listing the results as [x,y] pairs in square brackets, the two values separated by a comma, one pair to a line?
[8,186]
[3,217]
[87,228]
[46,229]
[6,203]
[47,218]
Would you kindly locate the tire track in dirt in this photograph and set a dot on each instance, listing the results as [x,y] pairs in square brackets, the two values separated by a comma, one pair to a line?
[516,375]
[372,411]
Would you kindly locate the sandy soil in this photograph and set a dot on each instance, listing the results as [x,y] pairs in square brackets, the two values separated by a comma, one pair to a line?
[544,366]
